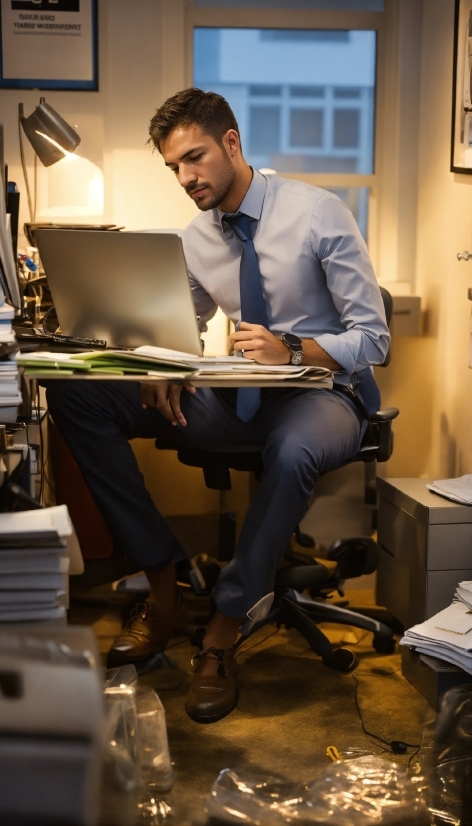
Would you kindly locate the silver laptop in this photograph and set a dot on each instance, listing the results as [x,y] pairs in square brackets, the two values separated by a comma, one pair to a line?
[128,288]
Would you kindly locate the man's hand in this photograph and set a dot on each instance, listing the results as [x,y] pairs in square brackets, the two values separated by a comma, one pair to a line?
[258,343]
[165,397]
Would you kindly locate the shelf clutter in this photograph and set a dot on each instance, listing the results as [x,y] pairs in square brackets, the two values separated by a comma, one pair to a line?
[10,393]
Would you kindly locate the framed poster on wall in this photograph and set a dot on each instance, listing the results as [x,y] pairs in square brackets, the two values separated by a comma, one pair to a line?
[461,144]
[49,44]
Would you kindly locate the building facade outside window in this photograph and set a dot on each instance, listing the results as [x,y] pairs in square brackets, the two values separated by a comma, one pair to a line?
[304,98]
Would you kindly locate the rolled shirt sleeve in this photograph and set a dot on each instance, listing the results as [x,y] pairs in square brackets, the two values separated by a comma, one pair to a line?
[342,253]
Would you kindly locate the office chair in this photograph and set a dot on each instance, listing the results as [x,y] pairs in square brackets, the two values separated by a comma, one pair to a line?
[304,584]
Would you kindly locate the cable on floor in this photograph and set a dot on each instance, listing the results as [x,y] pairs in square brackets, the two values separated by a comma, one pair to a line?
[396,746]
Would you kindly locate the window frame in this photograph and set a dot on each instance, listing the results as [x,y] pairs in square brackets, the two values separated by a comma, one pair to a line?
[380,22]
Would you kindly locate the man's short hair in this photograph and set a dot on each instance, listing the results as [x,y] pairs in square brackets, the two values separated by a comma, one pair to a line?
[207,109]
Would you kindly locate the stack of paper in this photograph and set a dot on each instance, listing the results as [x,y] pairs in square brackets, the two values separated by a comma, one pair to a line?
[447,635]
[36,550]
[459,490]
[7,336]
[10,395]
[464,593]
[227,367]
[170,364]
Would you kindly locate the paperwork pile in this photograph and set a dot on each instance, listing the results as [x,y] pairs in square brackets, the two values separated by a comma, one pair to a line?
[459,490]
[464,593]
[447,635]
[36,549]
[10,395]
[169,364]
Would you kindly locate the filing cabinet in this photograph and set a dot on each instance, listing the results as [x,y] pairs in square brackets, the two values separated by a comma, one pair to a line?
[425,549]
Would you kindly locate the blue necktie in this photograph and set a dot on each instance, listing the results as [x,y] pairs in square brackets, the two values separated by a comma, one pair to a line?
[253,309]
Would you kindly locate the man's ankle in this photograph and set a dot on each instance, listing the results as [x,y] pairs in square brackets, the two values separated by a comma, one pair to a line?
[223,631]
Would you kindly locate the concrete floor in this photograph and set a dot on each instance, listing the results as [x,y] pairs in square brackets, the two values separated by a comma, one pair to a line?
[291,707]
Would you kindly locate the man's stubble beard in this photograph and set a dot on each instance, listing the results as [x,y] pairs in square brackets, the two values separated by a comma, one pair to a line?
[220,188]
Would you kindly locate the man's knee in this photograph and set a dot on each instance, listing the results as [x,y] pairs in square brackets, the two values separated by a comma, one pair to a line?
[75,398]
[61,394]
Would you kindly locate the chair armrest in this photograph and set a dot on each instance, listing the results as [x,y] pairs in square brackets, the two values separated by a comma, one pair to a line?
[386,415]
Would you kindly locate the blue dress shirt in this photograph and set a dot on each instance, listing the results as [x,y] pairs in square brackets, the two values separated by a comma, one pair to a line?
[317,277]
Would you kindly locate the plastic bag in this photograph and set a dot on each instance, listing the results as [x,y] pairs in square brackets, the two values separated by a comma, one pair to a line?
[447,758]
[360,792]
[121,776]
[154,758]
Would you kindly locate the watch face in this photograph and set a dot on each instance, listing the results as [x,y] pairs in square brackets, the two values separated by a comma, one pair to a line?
[296,357]
[292,340]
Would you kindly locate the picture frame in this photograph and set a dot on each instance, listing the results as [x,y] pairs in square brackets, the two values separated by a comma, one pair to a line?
[49,44]
[461,139]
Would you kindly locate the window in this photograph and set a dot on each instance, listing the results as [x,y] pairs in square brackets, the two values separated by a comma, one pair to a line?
[264,129]
[304,36]
[306,127]
[303,98]
[307,91]
[265,91]
[347,93]
[346,124]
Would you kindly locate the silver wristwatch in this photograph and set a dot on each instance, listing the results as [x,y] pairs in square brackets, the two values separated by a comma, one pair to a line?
[294,344]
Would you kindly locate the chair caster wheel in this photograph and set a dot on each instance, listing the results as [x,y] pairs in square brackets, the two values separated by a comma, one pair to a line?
[383,645]
[197,638]
[341,659]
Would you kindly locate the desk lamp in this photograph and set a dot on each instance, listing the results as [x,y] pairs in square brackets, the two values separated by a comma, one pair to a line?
[50,136]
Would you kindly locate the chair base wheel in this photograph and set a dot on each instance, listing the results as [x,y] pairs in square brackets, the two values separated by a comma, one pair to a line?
[383,645]
[342,659]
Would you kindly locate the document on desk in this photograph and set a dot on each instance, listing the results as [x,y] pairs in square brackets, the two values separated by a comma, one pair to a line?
[459,490]
[118,362]
[447,635]
[229,366]
[464,593]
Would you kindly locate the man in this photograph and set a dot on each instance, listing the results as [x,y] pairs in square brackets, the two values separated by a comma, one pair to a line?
[286,262]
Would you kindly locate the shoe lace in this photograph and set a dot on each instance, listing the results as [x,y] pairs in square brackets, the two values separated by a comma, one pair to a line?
[140,611]
[218,653]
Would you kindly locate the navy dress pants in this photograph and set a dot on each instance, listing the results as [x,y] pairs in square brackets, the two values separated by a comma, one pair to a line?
[301,433]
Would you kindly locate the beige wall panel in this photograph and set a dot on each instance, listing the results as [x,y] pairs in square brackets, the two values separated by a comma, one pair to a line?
[444,229]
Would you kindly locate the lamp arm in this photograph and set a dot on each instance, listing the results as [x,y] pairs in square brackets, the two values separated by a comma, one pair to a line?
[23,162]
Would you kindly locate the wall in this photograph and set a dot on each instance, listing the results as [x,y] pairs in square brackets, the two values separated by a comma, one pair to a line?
[140,192]
[429,378]
[141,63]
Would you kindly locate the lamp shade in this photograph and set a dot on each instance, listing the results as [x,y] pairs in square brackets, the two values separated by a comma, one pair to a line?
[50,135]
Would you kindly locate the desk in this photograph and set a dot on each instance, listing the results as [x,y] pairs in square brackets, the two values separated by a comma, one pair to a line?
[308,384]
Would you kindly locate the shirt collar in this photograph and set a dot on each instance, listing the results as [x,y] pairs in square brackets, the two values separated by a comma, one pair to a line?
[253,200]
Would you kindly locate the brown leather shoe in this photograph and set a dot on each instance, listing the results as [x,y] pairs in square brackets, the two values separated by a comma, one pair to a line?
[212,697]
[143,640]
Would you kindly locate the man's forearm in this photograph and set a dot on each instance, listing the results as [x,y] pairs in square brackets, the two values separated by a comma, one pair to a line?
[314,355]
